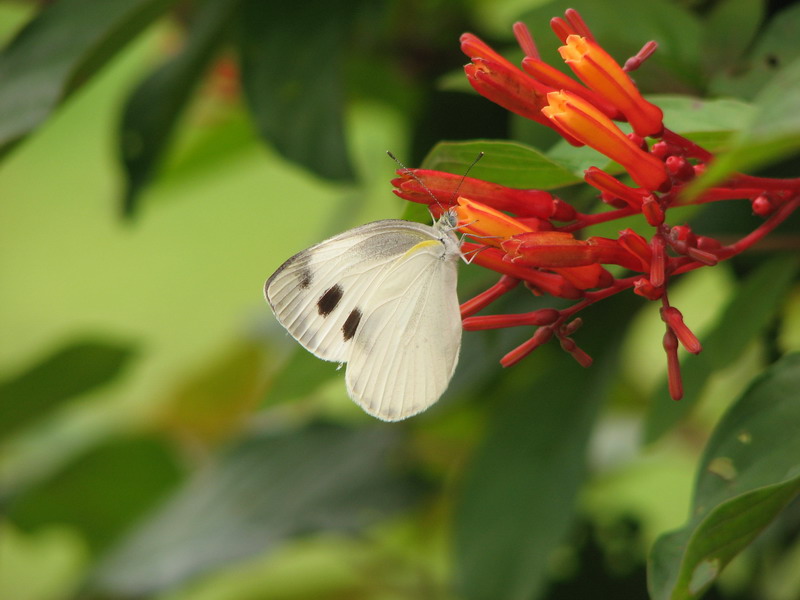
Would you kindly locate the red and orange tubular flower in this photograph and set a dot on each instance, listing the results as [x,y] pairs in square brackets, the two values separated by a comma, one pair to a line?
[554,249]
[576,261]
[487,224]
[603,75]
[437,187]
[501,82]
[614,191]
[586,123]
[535,240]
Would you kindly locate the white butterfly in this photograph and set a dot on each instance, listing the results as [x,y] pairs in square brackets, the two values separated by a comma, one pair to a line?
[382,298]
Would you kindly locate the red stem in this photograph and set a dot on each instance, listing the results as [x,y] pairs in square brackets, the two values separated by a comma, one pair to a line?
[765,183]
[585,220]
[686,264]
[691,148]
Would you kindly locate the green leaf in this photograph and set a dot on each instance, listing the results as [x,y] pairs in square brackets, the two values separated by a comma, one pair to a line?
[267,489]
[730,28]
[66,373]
[215,400]
[292,74]
[58,51]
[749,471]
[102,491]
[748,313]
[676,30]
[774,49]
[506,163]
[772,133]
[302,375]
[710,123]
[152,110]
[517,500]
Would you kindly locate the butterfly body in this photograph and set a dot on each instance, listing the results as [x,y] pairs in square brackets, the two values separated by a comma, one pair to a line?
[382,298]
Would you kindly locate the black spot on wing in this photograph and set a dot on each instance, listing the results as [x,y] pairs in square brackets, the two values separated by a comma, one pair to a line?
[305,278]
[351,324]
[329,300]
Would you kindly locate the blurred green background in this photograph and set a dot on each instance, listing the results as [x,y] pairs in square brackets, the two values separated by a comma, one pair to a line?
[162,437]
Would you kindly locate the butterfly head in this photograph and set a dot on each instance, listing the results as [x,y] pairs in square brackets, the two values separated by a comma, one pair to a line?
[448,221]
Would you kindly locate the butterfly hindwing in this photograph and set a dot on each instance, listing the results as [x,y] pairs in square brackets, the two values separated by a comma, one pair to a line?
[406,348]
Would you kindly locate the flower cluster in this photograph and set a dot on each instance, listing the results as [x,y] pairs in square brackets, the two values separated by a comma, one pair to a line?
[529,236]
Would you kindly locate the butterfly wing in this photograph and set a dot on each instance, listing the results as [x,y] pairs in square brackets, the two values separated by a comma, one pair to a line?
[406,348]
[320,294]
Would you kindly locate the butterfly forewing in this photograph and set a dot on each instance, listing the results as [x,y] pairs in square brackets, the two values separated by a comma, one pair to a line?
[320,294]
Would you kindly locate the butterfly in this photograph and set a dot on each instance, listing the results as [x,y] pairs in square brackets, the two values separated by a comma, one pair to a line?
[382,298]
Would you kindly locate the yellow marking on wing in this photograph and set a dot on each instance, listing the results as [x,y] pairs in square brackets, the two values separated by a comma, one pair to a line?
[420,246]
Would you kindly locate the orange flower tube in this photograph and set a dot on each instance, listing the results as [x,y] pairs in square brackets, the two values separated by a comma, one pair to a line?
[587,124]
[595,67]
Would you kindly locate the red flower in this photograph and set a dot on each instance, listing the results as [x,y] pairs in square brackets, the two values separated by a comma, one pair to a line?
[586,123]
[603,75]
[436,187]
[532,237]
[501,82]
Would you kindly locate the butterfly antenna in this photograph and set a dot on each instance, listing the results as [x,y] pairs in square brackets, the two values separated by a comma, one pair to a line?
[464,176]
[417,179]
[426,188]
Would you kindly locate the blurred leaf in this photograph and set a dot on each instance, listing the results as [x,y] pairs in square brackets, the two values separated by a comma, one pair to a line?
[152,110]
[519,491]
[414,211]
[269,488]
[775,48]
[772,133]
[729,31]
[517,500]
[710,123]
[39,566]
[214,401]
[687,114]
[749,471]
[101,492]
[13,17]
[226,136]
[58,51]
[577,159]
[748,313]
[676,65]
[506,163]
[292,74]
[68,372]
[299,377]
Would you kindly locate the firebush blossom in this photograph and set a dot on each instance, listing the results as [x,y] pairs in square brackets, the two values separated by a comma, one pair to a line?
[530,237]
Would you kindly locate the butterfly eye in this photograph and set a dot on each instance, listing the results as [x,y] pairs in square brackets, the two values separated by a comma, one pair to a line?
[447,221]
